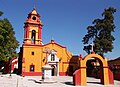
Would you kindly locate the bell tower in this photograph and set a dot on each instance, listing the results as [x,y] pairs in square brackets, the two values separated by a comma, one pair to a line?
[33,29]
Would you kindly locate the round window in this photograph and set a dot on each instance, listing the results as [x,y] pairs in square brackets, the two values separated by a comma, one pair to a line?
[34,18]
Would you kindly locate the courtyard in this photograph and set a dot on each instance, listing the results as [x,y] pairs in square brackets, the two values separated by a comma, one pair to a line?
[60,81]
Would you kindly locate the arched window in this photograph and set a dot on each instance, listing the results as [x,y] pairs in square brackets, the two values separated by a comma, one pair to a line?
[52,57]
[32,68]
[33,36]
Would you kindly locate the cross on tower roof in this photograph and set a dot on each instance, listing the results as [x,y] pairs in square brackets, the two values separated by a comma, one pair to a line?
[92,44]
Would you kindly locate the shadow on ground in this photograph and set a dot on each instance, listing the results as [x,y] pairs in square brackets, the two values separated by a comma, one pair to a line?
[94,82]
[68,83]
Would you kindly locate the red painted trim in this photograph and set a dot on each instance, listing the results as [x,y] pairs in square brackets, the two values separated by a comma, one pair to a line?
[42,45]
[111,77]
[32,45]
[32,74]
[26,39]
[55,44]
[62,73]
[105,67]
[77,77]
[40,32]
[62,67]
[83,67]
[45,45]
[27,31]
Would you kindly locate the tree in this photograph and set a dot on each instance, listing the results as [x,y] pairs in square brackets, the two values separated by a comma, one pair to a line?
[8,42]
[101,33]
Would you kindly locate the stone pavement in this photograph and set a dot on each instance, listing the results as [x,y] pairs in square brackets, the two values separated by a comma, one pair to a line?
[33,81]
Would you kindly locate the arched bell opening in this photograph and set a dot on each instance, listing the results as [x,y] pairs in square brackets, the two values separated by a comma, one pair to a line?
[33,36]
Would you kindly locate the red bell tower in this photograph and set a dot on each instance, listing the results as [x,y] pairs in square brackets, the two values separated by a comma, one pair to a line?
[33,29]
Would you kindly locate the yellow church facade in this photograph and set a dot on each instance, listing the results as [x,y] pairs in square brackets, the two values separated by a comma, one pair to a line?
[34,54]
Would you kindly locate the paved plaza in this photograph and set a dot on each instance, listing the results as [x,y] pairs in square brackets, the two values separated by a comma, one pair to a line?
[33,81]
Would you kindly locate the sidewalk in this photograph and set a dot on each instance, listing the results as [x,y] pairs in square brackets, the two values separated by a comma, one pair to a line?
[61,81]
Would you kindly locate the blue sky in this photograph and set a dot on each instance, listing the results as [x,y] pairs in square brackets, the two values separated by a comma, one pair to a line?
[64,20]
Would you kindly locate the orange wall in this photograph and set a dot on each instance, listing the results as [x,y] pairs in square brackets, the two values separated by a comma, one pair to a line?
[39,56]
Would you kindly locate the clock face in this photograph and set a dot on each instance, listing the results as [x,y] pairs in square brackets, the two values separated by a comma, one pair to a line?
[34,18]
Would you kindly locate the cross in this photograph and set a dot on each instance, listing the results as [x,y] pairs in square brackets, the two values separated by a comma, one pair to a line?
[92,46]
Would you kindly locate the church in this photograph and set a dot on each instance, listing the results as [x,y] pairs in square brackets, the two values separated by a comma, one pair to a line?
[34,54]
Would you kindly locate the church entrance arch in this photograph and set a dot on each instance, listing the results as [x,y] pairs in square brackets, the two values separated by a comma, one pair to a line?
[53,70]
[104,70]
